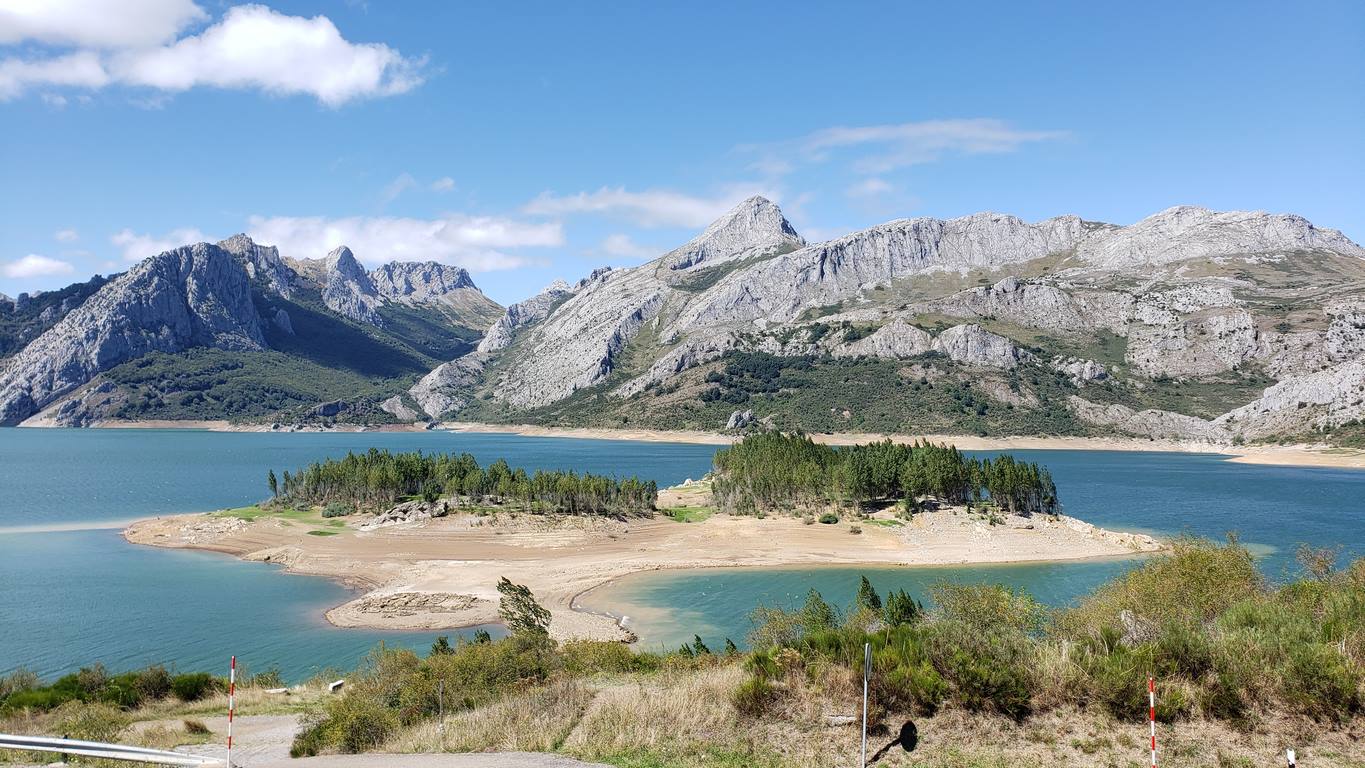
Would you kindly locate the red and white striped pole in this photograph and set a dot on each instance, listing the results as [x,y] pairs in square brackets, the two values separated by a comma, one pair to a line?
[232,708]
[1151,714]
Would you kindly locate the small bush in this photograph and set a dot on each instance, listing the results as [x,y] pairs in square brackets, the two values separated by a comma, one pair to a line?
[196,727]
[91,721]
[829,518]
[194,686]
[753,697]
[855,529]
[336,509]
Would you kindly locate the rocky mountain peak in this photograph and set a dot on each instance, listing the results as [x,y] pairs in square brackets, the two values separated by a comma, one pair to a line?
[412,282]
[262,263]
[195,295]
[754,227]
[348,290]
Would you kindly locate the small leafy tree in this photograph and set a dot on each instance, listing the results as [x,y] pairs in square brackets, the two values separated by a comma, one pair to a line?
[431,491]
[817,615]
[698,647]
[520,611]
[481,636]
[273,483]
[441,647]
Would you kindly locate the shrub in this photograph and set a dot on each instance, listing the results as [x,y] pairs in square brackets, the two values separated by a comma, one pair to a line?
[194,686]
[196,727]
[336,509]
[91,721]
[829,518]
[1318,682]
[753,697]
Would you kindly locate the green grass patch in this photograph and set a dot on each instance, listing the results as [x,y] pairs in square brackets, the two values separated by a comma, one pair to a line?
[886,523]
[323,533]
[689,514]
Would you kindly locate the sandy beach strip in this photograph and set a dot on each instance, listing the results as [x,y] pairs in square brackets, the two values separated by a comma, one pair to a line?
[1299,455]
[442,573]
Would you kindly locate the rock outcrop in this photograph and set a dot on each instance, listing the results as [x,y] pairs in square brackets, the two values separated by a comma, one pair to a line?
[754,228]
[522,314]
[263,264]
[348,290]
[198,295]
[1156,424]
[1302,404]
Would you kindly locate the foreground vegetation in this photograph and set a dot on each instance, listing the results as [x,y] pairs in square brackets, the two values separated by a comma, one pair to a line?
[991,677]
[771,470]
[379,478]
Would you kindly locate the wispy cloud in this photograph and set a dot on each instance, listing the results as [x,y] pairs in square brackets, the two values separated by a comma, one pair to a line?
[66,236]
[621,245]
[136,247]
[875,149]
[443,184]
[34,265]
[478,243]
[402,183]
[648,208]
[251,48]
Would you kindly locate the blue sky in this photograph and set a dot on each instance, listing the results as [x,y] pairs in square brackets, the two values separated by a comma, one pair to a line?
[535,141]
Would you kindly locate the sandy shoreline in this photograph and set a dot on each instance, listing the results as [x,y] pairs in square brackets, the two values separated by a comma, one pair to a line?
[1303,455]
[442,573]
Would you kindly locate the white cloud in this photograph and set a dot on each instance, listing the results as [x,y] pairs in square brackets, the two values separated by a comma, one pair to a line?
[54,100]
[477,243]
[136,247]
[251,47]
[82,69]
[66,236]
[34,265]
[443,184]
[869,187]
[621,245]
[650,208]
[398,186]
[899,145]
[96,23]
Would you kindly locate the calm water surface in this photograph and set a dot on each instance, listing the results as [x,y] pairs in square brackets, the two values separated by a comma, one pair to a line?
[72,591]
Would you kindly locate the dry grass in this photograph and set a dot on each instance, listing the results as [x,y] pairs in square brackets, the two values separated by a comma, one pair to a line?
[538,720]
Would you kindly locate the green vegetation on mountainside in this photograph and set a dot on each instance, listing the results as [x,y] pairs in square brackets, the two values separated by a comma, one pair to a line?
[243,386]
[19,327]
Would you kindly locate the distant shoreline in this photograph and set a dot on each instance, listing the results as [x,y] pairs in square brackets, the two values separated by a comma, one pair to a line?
[1301,455]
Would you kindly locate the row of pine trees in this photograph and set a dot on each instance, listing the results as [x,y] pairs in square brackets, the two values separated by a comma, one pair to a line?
[772,470]
[378,478]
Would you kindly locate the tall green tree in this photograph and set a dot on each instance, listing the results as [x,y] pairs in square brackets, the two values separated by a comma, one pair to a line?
[520,611]
[868,597]
[273,483]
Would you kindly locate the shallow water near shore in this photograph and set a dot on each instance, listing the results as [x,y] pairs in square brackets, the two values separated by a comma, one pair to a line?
[73,592]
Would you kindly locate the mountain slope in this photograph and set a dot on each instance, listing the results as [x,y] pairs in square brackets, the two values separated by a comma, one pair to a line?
[233,331]
[1187,315]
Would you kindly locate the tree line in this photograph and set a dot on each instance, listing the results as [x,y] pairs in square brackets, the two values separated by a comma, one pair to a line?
[772,470]
[379,478]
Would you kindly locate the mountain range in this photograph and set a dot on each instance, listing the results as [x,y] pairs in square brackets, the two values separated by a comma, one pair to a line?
[1189,324]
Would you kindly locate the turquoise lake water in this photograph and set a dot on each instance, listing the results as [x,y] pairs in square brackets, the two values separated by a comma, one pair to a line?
[72,591]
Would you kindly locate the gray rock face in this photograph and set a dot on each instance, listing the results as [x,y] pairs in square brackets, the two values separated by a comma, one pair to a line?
[349,291]
[781,289]
[1030,304]
[1206,343]
[895,339]
[740,420]
[1080,371]
[410,282]
[197,295]
[522,314]
[1189,232]
[400,410]
[974,345]
[1148,423]
[282,321]
[753,228]
[450,386]
[1300,404]
[6,304]
[263,263]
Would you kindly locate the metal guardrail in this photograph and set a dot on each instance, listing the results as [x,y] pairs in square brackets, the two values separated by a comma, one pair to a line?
[108,751]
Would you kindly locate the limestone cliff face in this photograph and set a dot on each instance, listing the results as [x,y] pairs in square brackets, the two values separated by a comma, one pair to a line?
[348,289]
[263,263]
[197,295]
[522,314]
